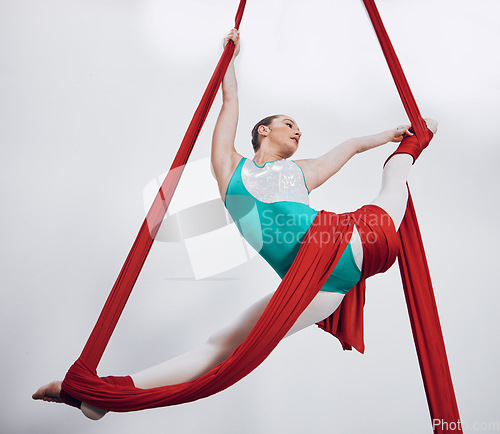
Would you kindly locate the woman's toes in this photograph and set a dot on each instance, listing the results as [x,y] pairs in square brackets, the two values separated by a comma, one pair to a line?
[50,392]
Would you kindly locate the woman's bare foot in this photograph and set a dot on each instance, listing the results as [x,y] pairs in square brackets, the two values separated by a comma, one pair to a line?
[52,393]
[432,125]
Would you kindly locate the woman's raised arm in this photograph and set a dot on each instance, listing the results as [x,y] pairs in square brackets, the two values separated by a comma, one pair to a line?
[224,156]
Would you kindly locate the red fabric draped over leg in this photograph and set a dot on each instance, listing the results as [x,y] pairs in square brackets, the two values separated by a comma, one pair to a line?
[321,250]
[376,230]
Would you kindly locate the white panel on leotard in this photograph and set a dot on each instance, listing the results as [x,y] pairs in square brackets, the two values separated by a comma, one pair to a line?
[276,181]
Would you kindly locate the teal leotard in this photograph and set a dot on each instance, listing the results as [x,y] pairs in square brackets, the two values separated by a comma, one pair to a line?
[270,206]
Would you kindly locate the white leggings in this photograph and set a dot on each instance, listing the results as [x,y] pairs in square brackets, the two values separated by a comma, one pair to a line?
[392,198]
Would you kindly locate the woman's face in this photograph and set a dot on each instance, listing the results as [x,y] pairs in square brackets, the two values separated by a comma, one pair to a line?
[285,132]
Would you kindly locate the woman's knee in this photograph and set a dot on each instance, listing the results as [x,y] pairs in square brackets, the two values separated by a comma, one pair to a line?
[227,339]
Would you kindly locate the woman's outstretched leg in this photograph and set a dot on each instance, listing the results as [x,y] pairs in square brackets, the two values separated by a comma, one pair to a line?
[222,343]
[217,348]
[393,195]
[196,362]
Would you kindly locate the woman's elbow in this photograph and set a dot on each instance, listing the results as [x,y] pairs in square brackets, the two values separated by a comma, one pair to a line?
[355,146]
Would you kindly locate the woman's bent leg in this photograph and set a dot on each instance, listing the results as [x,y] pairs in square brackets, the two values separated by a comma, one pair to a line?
[222,343]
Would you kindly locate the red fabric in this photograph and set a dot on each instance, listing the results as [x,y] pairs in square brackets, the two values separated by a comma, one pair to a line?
[322,248]
[426,328]
[129,273]
[412,145]
[346,323]
[415,274]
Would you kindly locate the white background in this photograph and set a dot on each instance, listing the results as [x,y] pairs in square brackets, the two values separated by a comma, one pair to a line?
[95,97]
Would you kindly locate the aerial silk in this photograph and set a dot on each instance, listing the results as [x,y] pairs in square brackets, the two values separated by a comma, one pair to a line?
[417,285]
[312,266]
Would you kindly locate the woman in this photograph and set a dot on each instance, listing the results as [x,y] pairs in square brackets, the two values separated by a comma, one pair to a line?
[268,200]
